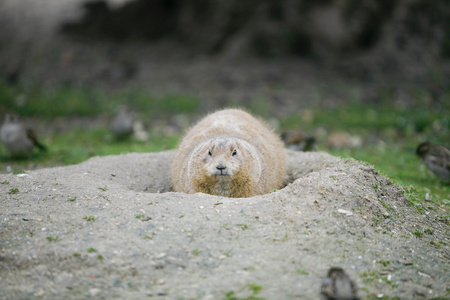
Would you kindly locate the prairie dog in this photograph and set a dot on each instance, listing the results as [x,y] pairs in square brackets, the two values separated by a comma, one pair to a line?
[229,153]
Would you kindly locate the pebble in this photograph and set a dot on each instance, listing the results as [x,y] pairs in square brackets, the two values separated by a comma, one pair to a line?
[94,292]
[346,212]
[424,275]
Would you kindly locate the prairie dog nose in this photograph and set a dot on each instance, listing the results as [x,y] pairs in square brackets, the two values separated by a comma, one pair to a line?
[220,167]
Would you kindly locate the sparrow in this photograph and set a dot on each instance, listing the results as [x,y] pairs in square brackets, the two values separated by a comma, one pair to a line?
[298,141]
[122,123]
[338,286]
[436,158]
[17,138]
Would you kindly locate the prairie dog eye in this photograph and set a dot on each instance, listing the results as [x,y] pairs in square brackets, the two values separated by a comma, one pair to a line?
[209,153]
[234,152]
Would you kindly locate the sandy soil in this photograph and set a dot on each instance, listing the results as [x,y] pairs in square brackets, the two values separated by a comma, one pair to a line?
[148,241]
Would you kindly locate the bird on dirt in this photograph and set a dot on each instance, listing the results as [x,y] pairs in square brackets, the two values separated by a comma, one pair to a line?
[298,141]
[122,123]
[338,286]
[436,158]
[17,138]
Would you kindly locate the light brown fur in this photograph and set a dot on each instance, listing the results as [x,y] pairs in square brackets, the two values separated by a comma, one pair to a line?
[229,153]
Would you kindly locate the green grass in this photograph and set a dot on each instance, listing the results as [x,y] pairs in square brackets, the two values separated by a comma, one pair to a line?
[254,289]
[50,106]
[76,145]
[390,133]
[418,233]
[13,191]
[404,168]
[196,252]
[303,272]
[390,137]
[53,238]
[70,101]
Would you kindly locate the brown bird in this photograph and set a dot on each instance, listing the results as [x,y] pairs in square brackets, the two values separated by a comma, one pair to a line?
[436,158]
[338,286]
[17,138]
[298,141]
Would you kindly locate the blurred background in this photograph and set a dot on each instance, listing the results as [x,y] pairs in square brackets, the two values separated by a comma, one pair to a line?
[367,79]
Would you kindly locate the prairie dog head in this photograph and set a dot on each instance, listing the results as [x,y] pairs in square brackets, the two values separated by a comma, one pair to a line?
[217,163]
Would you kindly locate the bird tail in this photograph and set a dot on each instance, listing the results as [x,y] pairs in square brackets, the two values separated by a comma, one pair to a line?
[41,146]
[32,136]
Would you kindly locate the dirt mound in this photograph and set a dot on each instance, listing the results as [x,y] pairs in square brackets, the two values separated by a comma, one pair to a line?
[110,228]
